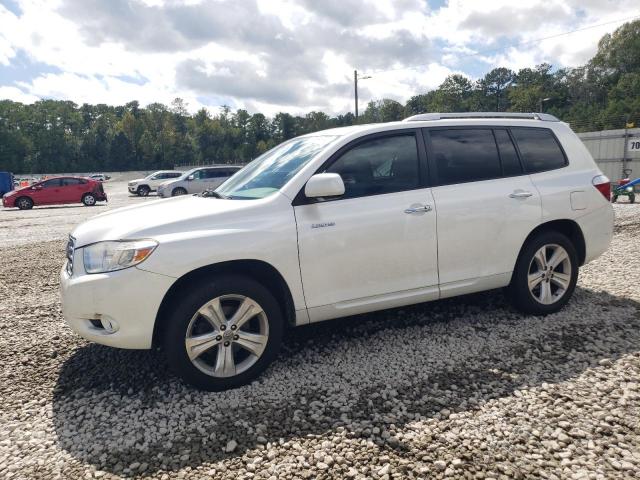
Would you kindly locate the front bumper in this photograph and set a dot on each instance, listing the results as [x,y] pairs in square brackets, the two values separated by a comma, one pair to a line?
[126,299]
[133,188]
[8,202]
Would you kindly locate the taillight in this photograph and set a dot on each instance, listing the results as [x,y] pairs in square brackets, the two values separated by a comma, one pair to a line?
[603,184]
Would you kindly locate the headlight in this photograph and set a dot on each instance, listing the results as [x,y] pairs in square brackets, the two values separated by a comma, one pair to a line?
[629,189]
[110,256]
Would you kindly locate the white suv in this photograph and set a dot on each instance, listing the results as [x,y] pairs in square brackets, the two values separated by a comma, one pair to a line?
[150,183]
[337,223]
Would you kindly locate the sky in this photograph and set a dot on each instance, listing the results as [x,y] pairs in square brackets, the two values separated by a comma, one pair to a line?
[282,55]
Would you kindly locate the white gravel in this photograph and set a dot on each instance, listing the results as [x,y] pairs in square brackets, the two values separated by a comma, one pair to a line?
[52,222]
[463,388]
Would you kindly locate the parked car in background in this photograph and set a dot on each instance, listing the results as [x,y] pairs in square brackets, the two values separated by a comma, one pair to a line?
[56,191]
[337,223]
[197,180]
[150,183]
[99,177]
[7,182]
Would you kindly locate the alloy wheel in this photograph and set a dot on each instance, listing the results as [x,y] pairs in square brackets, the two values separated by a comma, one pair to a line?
[227,335]
[549,274]
[23,204]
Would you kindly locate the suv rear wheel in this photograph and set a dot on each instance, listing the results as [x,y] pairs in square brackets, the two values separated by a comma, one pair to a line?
[545,275]
[223,333]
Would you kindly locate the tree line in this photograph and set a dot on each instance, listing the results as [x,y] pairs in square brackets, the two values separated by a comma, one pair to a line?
[60,136]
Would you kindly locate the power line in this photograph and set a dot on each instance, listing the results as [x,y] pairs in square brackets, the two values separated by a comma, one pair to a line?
[521,44]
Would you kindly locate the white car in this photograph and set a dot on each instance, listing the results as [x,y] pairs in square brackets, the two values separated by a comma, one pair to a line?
[150,183]
[197,180]
[99,177]
[337,223]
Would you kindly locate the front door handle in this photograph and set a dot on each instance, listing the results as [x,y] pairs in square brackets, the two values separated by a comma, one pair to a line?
[520,194]
[418,209]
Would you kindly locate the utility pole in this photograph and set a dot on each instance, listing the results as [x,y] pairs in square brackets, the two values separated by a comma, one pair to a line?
[626,146]
[355,87]
[541,101]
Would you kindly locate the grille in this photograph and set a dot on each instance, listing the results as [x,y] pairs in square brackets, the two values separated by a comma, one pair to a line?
[71,246]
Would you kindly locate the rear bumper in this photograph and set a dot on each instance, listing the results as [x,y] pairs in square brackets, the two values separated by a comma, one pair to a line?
[128,299]
[597,229]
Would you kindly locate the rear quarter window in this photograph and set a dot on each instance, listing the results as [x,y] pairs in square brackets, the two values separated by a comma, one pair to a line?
[539,149]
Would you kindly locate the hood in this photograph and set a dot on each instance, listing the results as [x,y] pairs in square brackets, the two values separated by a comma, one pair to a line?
[170,181]
[18,190]
[165,217]
[137,180]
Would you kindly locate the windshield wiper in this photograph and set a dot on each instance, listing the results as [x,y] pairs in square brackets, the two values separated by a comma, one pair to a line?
[214,194]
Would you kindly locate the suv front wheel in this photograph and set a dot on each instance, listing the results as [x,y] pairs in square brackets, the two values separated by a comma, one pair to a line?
[545,275]
[223,333]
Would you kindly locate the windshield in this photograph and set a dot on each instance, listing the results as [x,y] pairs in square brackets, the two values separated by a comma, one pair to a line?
[272,170]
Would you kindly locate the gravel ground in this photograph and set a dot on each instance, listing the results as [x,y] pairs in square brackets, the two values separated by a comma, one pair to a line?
[462,388]
[22,227]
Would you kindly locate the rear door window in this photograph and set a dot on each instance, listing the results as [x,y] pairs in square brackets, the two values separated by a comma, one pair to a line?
[539,149]
[464,155]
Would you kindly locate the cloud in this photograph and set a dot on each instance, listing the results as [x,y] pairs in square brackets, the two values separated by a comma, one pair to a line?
[289,55]
[346,13]
[491,22]
[239,80]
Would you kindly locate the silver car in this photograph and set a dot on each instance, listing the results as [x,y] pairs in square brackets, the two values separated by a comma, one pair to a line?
[197,180]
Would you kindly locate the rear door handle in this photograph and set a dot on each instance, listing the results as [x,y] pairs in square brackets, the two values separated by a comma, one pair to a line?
[520,194]
[418,209]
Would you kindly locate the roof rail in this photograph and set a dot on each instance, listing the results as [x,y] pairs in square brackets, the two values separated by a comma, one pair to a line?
[545,117]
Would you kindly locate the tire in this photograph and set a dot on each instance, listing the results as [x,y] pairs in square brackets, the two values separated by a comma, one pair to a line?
[178,191]
[614,199]
[208,370]
[24,203]
[143,190]
[89,199]
[632,198]
[552,291]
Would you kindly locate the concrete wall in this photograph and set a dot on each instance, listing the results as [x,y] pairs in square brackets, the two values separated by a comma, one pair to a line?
[607,149]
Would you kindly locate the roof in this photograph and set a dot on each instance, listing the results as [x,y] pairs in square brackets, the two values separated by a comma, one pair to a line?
[466,118]
[545,117]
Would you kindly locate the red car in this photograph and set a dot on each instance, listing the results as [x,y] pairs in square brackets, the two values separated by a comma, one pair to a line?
[56,191]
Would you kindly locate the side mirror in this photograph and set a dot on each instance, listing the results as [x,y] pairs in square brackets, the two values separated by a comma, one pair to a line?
[324,185]
[191,177]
